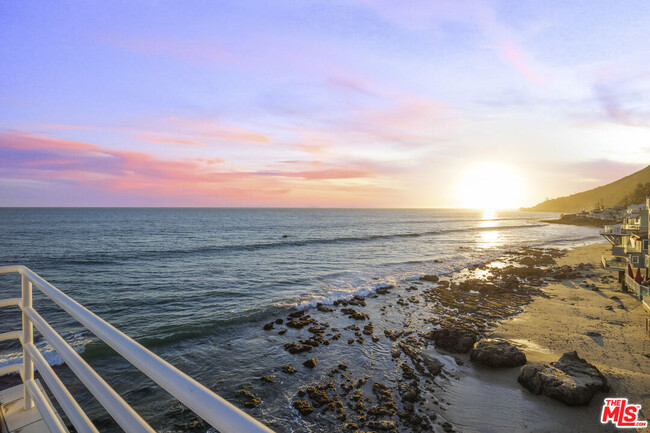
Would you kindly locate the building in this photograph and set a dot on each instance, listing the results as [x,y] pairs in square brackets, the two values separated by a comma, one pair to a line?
[629,256]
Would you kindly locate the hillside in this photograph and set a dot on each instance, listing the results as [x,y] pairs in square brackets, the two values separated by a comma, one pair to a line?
[611,195]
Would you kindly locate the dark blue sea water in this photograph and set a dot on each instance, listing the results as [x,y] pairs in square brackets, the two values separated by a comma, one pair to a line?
[195,284]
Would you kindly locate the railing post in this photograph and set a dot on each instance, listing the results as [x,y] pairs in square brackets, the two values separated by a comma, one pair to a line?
[28,338]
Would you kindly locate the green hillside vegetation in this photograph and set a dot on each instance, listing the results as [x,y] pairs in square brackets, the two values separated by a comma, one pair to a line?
[628,190]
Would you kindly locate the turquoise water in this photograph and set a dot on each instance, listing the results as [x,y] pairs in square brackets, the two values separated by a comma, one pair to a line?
[195,284]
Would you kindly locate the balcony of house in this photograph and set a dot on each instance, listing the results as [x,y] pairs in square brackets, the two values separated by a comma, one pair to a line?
[630,227]
[611,229]
[614,263]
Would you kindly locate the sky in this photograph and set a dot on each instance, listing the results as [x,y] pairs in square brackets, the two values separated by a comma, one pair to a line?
[333,103]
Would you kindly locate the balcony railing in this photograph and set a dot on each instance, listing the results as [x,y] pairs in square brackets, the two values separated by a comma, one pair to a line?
[219,413]
[614,263]
[631,227]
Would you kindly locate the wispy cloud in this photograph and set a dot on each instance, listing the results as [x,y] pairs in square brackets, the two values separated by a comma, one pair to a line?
[514,56]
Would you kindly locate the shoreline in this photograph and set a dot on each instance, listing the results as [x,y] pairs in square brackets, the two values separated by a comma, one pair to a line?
[409,380]
[379,366]
[615,320]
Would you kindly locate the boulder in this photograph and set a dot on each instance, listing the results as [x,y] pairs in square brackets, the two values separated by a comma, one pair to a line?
[571,379]
[497,352]
[453,339]
[310,363]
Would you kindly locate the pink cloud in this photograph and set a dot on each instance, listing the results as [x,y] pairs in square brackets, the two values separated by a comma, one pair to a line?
[170,140]
[314,149]
[130,173]
[214,129]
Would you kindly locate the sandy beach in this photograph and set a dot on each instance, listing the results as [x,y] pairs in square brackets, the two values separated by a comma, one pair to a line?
[560,322]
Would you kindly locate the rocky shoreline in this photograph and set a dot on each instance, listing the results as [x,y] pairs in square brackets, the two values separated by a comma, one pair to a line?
[576,220]
[425,325]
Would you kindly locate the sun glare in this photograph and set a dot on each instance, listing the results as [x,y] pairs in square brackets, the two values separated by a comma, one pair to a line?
[491,186]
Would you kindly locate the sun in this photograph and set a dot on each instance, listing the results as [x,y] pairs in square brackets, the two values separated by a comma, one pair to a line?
[491,185]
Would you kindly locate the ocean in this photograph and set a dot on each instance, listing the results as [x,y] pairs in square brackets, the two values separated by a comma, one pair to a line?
[196,285]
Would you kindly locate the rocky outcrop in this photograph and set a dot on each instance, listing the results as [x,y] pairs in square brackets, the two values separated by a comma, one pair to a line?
[571,379]
[497,352]
[453,339]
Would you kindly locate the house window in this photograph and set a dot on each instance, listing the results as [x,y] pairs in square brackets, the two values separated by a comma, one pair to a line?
[645,244]
[635,260]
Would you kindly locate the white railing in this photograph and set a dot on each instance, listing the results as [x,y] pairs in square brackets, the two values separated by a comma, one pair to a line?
[632,285]
[219,413]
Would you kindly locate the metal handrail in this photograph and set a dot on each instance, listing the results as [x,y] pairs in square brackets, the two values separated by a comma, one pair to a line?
[218,412]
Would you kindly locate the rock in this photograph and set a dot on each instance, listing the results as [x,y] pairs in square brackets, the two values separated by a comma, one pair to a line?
[250,399]
[343,366]
[324,309]
[497,352]
[382,425]
[300,322]
[310,363]
[447,427]
[288,369]
[369,329]
[294,347]
[383,290]
[318,396]
[395,353]
[453,339]
[432,364]
[284,331]
[303,407]
[571,379]
[268,326]
[430,278]
[609,307]
[407,371]
[594,334]
[269,378]
[393,334]
[279,321]
[354,314]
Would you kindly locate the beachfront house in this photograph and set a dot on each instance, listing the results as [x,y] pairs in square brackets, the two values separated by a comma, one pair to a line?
[629,255]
